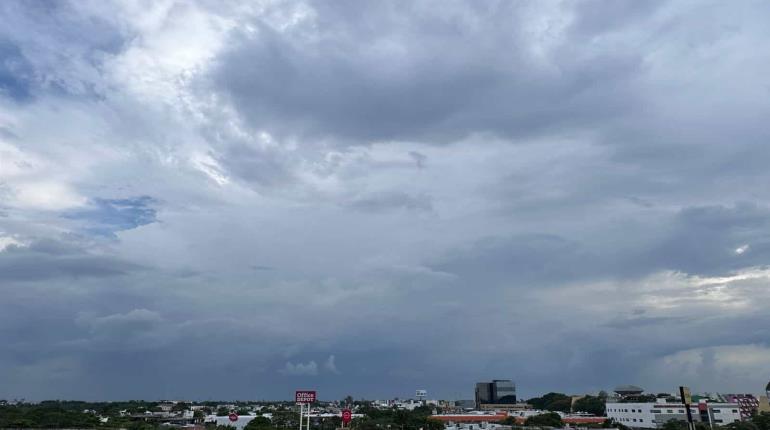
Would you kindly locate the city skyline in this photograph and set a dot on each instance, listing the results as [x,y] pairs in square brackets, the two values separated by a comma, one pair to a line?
[232,199]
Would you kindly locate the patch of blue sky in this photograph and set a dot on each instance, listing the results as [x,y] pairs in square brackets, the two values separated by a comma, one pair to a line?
[105,217]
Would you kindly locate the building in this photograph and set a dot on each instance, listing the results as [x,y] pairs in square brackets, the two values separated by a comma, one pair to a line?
[508,407]
[655,414]
[483,393]
[747,403]
[499,391]
[239,424]
[476,426]
[764,404]
[465,404]
[764,401]
[477,417]
[628,390]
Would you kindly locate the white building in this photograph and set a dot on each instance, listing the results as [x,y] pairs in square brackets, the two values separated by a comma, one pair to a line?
[225,421]
[654,414]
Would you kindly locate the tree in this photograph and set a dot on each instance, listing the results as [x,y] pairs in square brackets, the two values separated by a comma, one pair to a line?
[258,423]
[741,425]
[550,419]
[592,405]
[762,421]
[223,411]
[433,424]
[508,421]
[560,405]
[365,423]
[610,423]
[682,425]
[285,419]
[179,407]
[552,402]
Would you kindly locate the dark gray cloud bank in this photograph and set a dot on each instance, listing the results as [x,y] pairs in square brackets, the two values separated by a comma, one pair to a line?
[227,200]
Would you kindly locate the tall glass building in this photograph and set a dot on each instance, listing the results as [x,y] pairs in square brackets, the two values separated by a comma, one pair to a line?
[504,391]
[499,391]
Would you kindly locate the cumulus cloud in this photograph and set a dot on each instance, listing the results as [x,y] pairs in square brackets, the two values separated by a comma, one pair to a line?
[300,369]
[331,366]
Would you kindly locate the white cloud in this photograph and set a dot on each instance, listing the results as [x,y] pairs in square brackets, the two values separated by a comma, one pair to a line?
[6,241]
[300,369]
[330,365]
[45,195]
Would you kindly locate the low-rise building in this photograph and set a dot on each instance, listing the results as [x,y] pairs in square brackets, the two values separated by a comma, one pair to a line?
[505,407]
[764,404]
[477,426]
[655,414]
[747,403]
[477,417]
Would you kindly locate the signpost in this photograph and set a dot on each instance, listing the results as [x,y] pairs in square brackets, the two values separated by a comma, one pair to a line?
[684,392]
[233,417]
[302,398]
[347,416]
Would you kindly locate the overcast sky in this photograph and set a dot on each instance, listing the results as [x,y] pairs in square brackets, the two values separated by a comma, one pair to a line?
[228,199]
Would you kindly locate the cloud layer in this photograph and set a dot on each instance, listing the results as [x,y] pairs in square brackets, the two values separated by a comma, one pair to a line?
[227,200]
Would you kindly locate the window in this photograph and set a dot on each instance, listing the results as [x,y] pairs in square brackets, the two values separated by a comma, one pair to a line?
[716,411]
[634,419]
[735,411]
[654,411]
[681,411]
[641,420]
[717,421]
[670,411]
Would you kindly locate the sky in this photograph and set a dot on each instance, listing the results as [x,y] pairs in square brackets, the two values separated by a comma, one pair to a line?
[234,200]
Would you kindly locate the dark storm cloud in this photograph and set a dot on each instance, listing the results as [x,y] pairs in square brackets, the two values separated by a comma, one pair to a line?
[16,73]
[48,259]
[703,240]
[390,71]
[706,240]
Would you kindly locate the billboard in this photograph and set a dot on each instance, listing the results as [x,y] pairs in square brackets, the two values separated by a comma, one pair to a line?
[304,396]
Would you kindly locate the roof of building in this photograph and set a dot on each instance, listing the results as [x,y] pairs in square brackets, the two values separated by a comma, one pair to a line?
[630,389]
[570,420]
[470,418]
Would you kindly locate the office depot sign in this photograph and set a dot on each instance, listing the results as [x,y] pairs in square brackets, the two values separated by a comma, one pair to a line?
[304,396]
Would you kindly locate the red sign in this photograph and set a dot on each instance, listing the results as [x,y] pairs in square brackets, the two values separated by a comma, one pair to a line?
[346,416]
[304,397]
[233,417]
